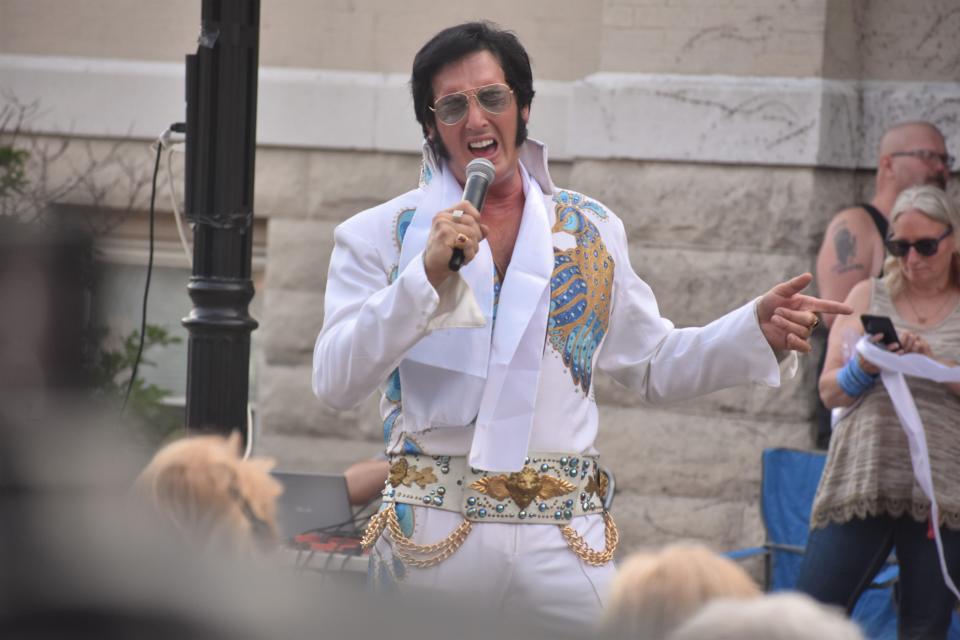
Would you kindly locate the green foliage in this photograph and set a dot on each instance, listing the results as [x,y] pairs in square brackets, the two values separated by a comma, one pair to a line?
[112,366]
[12,170]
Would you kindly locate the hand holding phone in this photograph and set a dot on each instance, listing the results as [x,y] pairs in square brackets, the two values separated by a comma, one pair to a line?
[873,325]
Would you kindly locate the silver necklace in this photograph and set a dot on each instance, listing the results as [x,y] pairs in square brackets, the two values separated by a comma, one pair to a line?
[923,319]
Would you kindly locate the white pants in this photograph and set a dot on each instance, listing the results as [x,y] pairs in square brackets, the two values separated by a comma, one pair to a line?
[523,569]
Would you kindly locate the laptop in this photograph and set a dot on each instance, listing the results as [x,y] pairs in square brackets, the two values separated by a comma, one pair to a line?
[313,501]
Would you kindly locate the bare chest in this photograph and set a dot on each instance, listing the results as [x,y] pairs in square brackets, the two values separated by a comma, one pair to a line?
[502,237]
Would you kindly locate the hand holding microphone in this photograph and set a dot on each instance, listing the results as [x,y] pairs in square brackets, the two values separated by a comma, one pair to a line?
[480,173]
[456,233]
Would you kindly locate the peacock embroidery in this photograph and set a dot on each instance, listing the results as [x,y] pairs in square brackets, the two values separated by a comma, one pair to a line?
[580,287]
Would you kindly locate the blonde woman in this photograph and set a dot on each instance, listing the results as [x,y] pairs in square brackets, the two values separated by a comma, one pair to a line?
[868,502]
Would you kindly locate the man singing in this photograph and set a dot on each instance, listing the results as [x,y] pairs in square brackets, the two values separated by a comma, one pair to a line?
[486,374]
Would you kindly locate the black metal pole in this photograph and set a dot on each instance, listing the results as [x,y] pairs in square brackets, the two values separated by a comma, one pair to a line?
[221,145]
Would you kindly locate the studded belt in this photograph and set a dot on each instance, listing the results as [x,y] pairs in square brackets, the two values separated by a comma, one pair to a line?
[550,489]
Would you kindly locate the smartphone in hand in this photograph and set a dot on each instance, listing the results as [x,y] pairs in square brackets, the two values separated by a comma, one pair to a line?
[873,325]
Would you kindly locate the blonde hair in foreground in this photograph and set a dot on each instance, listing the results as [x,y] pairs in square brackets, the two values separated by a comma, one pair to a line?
[936,205]
[779,616]
[202,486]
[655,592]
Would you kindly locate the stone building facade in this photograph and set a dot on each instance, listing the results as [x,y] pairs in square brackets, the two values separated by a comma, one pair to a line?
[724,132]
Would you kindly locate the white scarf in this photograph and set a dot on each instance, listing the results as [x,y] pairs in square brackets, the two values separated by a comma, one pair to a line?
[456,375]
[893,367]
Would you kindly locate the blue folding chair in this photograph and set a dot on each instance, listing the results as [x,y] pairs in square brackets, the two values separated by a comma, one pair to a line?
[788,486]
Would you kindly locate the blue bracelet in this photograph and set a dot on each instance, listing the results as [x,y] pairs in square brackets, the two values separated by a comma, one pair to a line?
[853,380]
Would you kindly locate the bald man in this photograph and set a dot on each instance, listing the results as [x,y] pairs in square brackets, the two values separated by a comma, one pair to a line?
[911,153]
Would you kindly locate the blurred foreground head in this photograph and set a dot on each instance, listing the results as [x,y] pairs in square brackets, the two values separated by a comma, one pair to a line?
[654,593]
[211,495]
[780,616]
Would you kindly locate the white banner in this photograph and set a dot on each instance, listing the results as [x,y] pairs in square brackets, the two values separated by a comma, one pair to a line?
[893,368]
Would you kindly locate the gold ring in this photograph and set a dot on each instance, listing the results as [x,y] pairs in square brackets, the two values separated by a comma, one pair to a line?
[816,321]
[457,214]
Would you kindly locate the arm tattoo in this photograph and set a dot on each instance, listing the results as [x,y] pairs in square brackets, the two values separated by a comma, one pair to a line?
[845,244]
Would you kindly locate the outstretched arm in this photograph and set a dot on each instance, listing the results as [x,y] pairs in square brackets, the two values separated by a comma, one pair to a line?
[787,317]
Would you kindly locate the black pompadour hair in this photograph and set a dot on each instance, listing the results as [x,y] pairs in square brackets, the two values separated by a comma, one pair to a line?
[453,43]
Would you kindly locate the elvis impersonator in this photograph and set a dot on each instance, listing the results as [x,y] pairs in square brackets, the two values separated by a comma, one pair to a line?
[486,373]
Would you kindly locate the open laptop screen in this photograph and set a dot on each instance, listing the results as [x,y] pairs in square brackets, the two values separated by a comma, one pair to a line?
[313,501]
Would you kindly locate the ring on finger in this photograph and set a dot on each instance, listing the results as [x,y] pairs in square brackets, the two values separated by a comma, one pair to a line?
[456,214]
[816,321]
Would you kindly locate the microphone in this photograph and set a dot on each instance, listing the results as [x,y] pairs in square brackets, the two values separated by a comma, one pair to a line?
[480,174]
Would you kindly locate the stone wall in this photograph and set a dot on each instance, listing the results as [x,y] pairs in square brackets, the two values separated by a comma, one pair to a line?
[725,134]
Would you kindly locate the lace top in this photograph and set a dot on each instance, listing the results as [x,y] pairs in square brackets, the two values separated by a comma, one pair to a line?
[868,470]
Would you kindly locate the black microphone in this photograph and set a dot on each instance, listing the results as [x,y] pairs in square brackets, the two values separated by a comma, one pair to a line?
[480,174]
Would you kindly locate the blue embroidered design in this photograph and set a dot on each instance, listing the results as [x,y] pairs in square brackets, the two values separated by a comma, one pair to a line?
[411,446]
[391,392]
[403,221]
[426,175]
[580,288]
[400,223]
[388,423]
[405,518]
[393,386]
[572,198]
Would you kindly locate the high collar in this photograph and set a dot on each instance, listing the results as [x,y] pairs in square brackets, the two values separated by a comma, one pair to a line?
[533,156]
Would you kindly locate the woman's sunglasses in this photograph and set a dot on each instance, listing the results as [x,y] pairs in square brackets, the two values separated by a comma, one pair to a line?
[451,108]
[924,246]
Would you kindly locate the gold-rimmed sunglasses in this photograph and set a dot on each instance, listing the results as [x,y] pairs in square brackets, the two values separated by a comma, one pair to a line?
[451,108]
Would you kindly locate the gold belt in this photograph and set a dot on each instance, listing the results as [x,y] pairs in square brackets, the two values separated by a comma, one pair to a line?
[552,488]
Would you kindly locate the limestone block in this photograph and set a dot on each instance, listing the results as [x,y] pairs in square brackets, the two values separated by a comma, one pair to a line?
[298,254]
[561,36]
[281,182]
[886,103]
[652,521]
[695,287]
[783,210]
[841,46]
[743,38]
[697,118]
[301,33]
[48,27]
[341,183]
[291,322]
[288,406]
[909,40]
[666,453]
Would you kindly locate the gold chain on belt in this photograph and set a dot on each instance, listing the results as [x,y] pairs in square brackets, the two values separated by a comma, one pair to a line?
[580,547]
[407,550]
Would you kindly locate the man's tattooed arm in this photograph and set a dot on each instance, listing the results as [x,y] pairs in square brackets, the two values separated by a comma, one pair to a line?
[845,245]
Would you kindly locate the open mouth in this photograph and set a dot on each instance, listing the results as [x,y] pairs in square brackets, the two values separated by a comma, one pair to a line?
[483,148]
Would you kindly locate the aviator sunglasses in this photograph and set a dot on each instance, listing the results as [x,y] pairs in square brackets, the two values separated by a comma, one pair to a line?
[924,246]
[451,108]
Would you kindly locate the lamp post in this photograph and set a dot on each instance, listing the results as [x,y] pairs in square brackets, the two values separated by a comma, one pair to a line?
[221,145]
